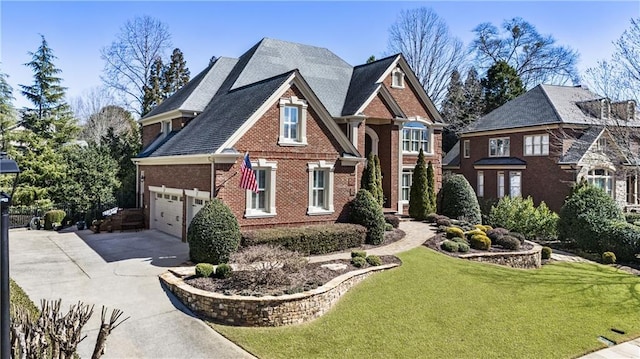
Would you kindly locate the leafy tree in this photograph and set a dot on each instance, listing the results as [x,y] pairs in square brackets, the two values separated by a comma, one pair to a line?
[501,85]
[429,48]
[121,148]
[419,201]
[175,75]
[114,118]
[457,199]
[130,58]
[431,188]
[535,58]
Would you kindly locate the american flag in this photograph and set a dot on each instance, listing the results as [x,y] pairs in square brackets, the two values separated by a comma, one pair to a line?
[248,177]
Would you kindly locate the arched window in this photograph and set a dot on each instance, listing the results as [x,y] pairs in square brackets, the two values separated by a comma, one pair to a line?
[397,78]
[601,178]
[414,137]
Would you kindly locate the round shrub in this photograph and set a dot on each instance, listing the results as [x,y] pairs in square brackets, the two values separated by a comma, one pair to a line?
[358,262]
[453,232]
[496,233]
[520,236]
[458,200]
[459,240]
[608,258]
[388,227]
[213,234]
[473,232]
[449,246]
[392,220]
[481,242]
[223,270]
[355,254]
[374,260]
[366,211]
[432,218]
[508,242]
[463,247]
[204,270]
[443,221]
[621,238]
[546,252]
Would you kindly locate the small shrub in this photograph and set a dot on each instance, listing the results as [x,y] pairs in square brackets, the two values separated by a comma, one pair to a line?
[454,232]
[632,217]
[388,227]
[223,271]
[520,236]
[204,270]
[621,238]
[482,227]
[432,217]
[459,240]
[473,232]
[213,234]
[392,220]
[480,242]
[458,200]
[463,247]
[449,246]
[355,254]
[443,222]
[358,262]
[608,258]
[496,233]
[267,266]
[52,218]
[366,211]
[374,260]
[508,242]
[546,252]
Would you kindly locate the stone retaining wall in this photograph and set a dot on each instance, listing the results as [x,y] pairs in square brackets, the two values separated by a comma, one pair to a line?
[528,259]
[268,310]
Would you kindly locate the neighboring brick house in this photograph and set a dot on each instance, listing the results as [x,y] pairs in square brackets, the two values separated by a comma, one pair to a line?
[307,119]
[542,142]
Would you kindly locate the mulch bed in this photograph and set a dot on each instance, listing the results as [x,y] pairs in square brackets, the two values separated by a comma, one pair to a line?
[435,241]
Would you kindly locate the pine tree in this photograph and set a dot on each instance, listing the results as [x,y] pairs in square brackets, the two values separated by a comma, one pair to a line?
[7,112]
[474,105]
[176,74]
[378,172]
[153,91]
[501,85]
[369,178]
[431,188]
[419,200]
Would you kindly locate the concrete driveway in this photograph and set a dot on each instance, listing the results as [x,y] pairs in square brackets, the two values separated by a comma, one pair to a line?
[118,270]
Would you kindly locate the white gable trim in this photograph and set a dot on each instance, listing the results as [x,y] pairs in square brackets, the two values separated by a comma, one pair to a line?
[584,162]
[174,160]
[167,116]
[386,96]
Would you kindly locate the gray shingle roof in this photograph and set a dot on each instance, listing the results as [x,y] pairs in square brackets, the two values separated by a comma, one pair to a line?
[581,145]
[363,83]
[453,156]
[542,105]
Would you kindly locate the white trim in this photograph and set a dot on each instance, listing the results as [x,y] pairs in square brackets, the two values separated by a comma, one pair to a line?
[196,193]
[166,190]
[497,155]
[168,116]
[395,71]
[479,175]
[500,175]
[329,168]
[271,167]
[512,175]
[351,161]
[375,139]
[174,160]
[386,96]
[301,105]
[466,145]
[533,145]
[430,138]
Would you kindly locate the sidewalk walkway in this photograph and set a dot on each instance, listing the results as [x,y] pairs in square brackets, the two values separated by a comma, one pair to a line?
[416,233]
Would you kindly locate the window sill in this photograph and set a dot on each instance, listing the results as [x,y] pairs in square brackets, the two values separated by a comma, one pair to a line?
[319,212]
[412,153]
[287,143]
[397,87]
[256,214]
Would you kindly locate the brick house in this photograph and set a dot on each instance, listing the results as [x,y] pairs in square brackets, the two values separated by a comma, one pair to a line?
[542,142]
[306,118]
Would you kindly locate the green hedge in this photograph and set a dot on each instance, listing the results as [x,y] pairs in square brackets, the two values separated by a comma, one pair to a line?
[319,239]
[53,216]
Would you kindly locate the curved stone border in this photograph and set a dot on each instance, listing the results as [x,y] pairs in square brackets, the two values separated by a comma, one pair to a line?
[268,310]
[528,259]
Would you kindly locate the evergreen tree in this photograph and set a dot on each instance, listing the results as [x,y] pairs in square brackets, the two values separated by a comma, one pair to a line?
[121,148]
[378,173]
[153,90]
[371,59]
[369,181]
[419,201]
[453,111]
[501,85]
[7,113]
[176,74]
[431,188]
[474,105]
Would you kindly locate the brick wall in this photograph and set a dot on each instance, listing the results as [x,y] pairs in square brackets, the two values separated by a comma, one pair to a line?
[149,133]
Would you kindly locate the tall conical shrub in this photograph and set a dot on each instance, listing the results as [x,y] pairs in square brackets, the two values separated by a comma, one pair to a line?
[419,195]
[378,173]
[369,180]
[431,188]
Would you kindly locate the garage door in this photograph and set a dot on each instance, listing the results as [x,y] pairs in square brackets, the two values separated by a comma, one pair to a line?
[167,214]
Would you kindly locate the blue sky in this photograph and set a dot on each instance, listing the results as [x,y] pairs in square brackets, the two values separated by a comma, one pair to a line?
[77,30]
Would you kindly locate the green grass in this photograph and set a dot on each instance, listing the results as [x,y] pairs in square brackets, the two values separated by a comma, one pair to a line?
[19,298]
[435,306]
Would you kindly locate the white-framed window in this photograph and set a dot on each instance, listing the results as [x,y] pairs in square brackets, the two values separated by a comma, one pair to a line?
[293,122]
[601,178]
[397,78]
[466,148]
[480,184]
[601,144]
[536,145]
[320,188]
[515,184]
[499,147]
[166,127]
[414,137]
[407,179]
[263,202]
[500,184]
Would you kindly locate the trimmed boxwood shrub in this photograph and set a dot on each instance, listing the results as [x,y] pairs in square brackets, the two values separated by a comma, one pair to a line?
[374,260]
[432,217]
[481,242]
[317,239]
[632,217]
[204,270]
[54,216]
[454,232]
[388,227]
[458,200]
[608,258]
[508,242]
[546,252]
[449,246]
[223,270]
[473,232]
[496,233]
[443,221]
[392,220]
[358,262]
[367,212]
[463,247]
[213,234]
[621,238]
[459,240]
[362,254]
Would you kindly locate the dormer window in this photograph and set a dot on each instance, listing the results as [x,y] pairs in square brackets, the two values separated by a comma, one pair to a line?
[166,127]
[601,144]
[293,122]
[397,78]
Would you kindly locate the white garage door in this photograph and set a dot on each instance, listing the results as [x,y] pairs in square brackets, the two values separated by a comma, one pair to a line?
[194,205]
[167,214]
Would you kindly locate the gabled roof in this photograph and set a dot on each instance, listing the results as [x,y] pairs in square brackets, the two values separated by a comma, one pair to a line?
[542,105]
[452,159]
[364,82]
[581,145]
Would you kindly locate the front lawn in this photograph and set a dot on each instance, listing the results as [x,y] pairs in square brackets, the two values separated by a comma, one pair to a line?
[435,306]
